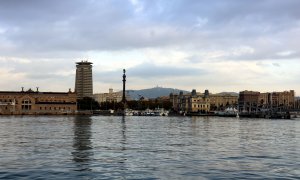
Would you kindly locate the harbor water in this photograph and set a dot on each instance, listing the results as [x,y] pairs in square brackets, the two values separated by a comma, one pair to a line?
[135,147]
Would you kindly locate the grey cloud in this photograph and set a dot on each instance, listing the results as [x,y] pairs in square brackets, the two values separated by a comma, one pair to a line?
[194,59]
[48,76]
[41,70]
[114,77]
[148,71]
[151,71]
[62,28]
[276,64]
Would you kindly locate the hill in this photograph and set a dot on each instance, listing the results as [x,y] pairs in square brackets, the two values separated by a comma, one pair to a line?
[152,93]
[229,93]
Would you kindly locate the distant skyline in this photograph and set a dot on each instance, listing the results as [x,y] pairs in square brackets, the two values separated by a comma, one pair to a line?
[229,45]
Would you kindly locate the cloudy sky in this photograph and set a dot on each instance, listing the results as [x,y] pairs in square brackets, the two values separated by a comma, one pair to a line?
[228,45]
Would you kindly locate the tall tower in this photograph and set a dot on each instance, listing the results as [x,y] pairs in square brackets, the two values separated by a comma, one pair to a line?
[84,79]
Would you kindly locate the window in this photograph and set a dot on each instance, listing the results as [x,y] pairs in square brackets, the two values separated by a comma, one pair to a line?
[26,104]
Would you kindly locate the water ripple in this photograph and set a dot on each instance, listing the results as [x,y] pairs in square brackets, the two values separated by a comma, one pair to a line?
[66,147]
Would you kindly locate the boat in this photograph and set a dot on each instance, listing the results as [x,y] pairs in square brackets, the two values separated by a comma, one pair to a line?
[160,112]
[128,112]
[228,112]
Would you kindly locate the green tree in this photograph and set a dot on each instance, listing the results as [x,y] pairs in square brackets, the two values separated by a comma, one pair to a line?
[87,103]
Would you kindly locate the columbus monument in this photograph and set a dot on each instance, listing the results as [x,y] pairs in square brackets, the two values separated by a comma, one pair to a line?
[124,89]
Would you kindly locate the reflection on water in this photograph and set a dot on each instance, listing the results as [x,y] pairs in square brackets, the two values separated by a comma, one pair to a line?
[123,140]
[82,144]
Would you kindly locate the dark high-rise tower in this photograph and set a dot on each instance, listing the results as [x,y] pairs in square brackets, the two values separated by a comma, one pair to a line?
[84,79]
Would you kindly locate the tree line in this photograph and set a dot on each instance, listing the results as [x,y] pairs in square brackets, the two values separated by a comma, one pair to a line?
[88,103]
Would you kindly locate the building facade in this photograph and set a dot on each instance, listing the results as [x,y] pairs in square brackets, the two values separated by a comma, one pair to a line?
[111,96]
[191,103]
[198,103]
[84,79]
[246,101]
[297,103]
[222,101]
[35,102]
[250,101]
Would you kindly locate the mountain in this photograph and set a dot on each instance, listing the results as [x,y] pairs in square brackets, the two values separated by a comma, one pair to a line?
[153,93]
[230,93]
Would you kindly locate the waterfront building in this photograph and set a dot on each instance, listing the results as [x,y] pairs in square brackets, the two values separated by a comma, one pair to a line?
[191,103]
[248,101]
[284,100]
[111,96]
[253,101]
[297,103]
[174,100]
[199,102]
[222,101]
[36,102]
[264,100]
[202,102]
[287,99]
[84,79]
[179,101]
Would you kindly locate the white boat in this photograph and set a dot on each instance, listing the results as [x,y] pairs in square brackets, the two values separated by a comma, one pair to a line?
[160,112]
[128,112]
[232,112]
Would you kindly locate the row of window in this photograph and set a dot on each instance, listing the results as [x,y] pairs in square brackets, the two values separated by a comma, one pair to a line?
[26,107]
[8,97]
[55,108]
[6,100]
[26,101]
[200,106]
[51,100]
[29,101]
[198,100]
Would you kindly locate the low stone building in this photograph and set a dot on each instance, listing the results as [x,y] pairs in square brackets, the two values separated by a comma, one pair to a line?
[202,102]
[191,103]
[250,101]
[111,96]
[222,101]
[199,103]
[35,102]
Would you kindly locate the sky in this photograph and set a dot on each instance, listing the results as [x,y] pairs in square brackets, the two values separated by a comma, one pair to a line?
[219,45]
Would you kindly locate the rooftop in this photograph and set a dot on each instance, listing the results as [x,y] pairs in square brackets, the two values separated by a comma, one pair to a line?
[84,63]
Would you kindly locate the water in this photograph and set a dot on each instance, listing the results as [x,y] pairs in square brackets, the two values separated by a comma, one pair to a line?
[67,147]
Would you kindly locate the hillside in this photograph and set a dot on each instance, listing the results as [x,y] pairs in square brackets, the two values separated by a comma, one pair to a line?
[229,93]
